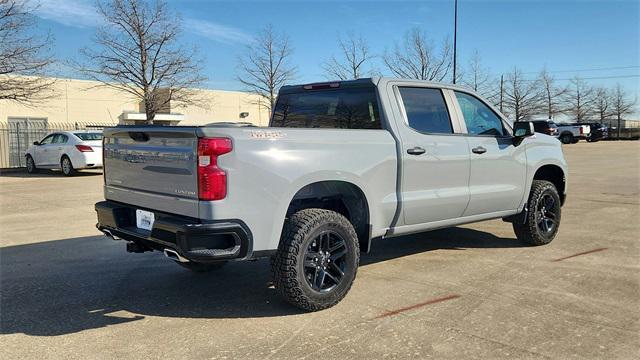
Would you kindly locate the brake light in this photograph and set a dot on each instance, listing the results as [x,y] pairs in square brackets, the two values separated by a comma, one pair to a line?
[319,86]
[212,181]
[84,148]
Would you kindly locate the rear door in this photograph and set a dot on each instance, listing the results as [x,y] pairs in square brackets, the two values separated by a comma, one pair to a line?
[498,168]
[152,167]
[435,157]
[59,147]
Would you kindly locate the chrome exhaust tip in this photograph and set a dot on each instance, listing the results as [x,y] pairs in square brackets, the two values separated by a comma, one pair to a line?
[108,233]
[173,255]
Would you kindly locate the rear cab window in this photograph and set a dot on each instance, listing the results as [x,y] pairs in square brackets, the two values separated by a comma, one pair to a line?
[426,110]
[328,107]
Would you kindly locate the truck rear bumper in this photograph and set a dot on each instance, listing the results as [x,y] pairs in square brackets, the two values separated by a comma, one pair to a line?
[191,239]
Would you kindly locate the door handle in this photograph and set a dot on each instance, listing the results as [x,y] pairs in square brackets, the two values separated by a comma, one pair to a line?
[416,151]
[479,150]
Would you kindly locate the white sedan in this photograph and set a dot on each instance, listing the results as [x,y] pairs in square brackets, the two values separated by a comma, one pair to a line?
[67,151]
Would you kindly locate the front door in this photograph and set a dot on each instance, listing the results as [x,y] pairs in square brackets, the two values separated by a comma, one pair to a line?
[43,152]
[435,160]
[498,168]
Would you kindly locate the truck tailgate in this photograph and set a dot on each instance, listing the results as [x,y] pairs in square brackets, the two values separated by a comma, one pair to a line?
[152,167]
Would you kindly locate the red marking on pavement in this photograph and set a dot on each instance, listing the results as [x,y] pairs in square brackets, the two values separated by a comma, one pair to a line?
[433,301]
[582,253]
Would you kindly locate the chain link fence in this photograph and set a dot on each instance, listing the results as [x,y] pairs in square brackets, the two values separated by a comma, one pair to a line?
[18,134]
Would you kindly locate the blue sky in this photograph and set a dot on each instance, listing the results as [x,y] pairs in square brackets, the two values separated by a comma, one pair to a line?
[599,38]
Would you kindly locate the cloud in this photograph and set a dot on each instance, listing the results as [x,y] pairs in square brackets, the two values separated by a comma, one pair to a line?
[83,14]
[75,13]
[216,32]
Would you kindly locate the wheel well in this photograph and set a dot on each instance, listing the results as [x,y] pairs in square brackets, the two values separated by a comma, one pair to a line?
[342,197]
[555,175]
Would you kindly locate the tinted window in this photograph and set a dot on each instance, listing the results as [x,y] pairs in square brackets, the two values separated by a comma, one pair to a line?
[89,136]
[347,108]
[480,119]
[60,139]
[48,139]
[426,110]
[539,125]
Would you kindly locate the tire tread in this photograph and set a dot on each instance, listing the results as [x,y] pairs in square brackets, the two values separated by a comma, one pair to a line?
[528,231]
[283,263]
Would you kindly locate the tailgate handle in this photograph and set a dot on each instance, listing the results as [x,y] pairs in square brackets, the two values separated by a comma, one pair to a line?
[138,136]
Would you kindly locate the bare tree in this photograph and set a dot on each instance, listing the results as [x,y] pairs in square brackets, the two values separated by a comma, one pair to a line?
[579,99]
[552,94]
[521,97]
[621,105]
[265,67]
[137,52]
[24,56]
[418,58]
[602,103]
[476,76]
[354,53]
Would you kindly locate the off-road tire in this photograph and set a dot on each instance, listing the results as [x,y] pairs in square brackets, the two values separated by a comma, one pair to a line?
[197,267]
[287,265]
[67,169]
[530,232]
[566,138]
[31,165]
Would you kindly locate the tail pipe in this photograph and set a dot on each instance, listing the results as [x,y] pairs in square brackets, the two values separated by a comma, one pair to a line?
[108,233]
[173,255]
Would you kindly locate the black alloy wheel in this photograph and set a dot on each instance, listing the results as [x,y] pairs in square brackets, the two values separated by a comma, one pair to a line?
[546,214]
[324,264]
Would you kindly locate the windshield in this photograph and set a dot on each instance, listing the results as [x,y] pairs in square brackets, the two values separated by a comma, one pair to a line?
[346,108]
[89,136]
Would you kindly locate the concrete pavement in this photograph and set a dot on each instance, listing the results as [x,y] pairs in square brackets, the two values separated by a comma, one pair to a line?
[466,292]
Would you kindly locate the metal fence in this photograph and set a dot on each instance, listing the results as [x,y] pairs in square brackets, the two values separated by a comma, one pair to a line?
[18,134]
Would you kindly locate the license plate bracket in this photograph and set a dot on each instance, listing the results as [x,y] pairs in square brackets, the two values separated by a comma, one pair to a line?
[144,219]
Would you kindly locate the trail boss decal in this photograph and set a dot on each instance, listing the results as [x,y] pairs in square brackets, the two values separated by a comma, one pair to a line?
[267,134]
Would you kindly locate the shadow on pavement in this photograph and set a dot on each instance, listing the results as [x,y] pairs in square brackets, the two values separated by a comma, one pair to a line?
[44,173]
[65,286]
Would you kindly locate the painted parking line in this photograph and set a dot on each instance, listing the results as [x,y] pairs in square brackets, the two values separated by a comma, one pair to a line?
[415,306]
[579,254]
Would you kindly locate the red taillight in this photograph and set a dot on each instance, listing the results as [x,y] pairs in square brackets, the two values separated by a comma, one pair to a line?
[212,181]
[319,86]
[84,148]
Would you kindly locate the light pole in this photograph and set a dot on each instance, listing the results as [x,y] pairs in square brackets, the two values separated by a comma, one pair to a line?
[455,35]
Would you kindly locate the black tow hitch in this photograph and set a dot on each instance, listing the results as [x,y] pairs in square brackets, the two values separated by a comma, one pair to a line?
[134,247]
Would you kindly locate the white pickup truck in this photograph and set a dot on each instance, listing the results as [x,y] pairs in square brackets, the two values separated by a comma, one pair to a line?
[572,133]
[342,163]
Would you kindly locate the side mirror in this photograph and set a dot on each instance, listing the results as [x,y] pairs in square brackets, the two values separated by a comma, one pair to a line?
[36,143]
[521,130]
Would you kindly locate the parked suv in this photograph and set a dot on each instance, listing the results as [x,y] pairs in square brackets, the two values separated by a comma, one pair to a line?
[341,163]
[547,127]
[598,132]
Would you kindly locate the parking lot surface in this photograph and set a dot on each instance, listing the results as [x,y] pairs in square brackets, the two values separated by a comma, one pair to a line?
[465,292]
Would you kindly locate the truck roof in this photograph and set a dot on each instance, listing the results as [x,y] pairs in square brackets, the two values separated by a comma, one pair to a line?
[368,82]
